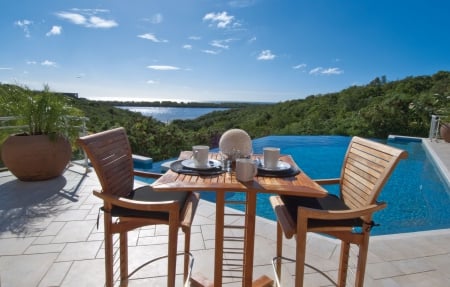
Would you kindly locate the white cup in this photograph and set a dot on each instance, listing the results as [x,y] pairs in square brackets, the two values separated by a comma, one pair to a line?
[271,157]
[246,169]
[200,155]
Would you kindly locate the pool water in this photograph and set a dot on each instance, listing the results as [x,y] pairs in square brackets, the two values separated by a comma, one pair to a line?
[417,196]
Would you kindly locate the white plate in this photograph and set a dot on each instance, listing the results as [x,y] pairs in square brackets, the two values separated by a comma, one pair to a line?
[280,166]
[212,163]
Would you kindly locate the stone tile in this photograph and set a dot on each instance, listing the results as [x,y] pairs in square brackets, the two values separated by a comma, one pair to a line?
[85,273]
[55,274]
[24,270]
[52,229]
[79,251]
[423,279]
[383,270]
[43,240]
[74,231]
[15,246]
[73,215]
[45,248]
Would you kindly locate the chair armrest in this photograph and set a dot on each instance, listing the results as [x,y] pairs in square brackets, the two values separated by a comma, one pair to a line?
[188,212]
[284,218]
[137,204]
[339,214]
[328,181]
[147,174]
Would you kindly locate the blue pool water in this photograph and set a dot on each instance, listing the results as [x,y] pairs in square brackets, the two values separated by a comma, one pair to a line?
[417,196]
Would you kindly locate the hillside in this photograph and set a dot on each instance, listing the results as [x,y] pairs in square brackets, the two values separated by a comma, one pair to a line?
[375,110]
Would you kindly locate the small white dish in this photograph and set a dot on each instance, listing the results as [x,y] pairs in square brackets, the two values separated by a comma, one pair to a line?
[190,163]
[280,166]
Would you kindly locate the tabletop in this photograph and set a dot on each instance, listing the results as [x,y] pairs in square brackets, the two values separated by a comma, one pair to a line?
[299,184]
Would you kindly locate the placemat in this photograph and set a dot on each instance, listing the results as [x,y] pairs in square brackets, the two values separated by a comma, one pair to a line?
[279,173]
[176,166]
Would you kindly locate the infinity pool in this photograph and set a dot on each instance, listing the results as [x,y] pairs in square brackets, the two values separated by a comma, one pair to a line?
[418,198]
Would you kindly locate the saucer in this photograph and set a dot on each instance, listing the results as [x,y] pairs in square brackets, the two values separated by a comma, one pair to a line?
[190,163]
[281,166]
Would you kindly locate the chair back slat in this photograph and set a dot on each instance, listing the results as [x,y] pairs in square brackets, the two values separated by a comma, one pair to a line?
[110,154]
[366,168]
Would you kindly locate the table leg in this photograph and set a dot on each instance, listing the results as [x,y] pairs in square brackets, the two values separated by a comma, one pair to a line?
[249,246]
[249,239]
[218,257]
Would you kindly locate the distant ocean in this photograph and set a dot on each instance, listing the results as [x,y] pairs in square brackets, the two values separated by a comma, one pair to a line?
[168,114]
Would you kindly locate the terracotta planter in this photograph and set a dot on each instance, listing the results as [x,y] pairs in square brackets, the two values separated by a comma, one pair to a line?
[33,158]
[445,131]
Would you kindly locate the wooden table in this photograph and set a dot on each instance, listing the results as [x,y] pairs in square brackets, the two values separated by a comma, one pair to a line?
[300,185]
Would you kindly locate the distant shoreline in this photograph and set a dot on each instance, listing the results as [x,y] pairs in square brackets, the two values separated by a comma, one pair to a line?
[229,105]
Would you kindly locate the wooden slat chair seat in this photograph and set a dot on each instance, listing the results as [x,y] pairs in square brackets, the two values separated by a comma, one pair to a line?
[126,208]
[366,168]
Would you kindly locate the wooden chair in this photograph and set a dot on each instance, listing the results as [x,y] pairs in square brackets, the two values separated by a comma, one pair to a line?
[366,168]
[126,208]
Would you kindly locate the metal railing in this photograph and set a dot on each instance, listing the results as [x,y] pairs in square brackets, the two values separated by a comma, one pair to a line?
[434,127]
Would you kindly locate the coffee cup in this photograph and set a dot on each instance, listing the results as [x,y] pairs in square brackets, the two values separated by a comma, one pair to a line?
[271,157]
[200,155]
[246,169]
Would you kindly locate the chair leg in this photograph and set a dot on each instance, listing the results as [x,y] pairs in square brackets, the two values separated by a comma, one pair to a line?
[187,247]
[302,225]
[109,259]
[172,255]
[123,259]
[279,249]
[362,260]
[343,265]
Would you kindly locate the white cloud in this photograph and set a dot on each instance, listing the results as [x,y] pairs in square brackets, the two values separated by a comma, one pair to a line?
[56,30]
[266,55]
[187,47]
[31,62]
[196,38]
[333,71]
[151,37]
[48,63]
[75,18]
[152,82]
[163,68]
[328,71]
[220,44]
[210,52]
[300,66]
[157,18]
[24,24]
[5,68]
[222,19]
[97,22]
[86,19]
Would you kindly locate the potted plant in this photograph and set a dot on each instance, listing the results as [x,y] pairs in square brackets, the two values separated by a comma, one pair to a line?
[43,149]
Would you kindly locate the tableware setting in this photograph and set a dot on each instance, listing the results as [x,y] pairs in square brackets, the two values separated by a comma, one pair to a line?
[271,157]
[200,155]
[246,169]
[272,166]
[188,166]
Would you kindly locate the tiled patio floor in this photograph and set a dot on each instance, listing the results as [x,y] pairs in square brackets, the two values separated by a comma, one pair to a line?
[48,237]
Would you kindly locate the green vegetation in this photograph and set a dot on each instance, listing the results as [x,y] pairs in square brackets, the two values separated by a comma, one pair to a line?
[38,112]
[377,109]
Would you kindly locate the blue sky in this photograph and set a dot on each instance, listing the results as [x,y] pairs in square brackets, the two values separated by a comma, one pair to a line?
[205,50]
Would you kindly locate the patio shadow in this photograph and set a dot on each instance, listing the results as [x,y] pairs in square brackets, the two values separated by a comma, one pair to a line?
[24,206]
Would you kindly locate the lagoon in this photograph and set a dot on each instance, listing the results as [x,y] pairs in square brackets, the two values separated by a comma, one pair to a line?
[168,114]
